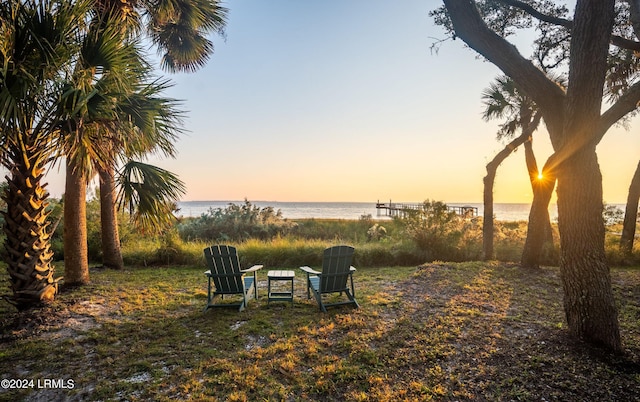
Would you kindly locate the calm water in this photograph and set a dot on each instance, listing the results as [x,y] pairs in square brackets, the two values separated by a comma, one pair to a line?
[348,210]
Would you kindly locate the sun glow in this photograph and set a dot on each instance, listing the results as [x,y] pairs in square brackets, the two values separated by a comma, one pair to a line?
[540,176]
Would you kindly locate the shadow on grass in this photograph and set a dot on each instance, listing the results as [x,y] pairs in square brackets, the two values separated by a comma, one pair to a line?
[471,331]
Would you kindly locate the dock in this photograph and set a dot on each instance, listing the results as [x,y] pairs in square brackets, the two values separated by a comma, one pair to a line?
[394,209]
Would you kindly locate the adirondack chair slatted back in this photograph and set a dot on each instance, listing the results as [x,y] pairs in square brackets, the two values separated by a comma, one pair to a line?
[225,269]
[336,262]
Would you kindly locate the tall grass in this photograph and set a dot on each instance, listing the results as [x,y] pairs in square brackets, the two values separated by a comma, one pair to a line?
[395,249]
[305,248]
[292,243]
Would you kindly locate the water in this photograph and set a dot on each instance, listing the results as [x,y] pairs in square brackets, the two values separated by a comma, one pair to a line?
[349,210]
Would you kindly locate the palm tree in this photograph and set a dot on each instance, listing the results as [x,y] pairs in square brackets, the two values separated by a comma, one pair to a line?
[154,124]
[105,71]
[178,28]
[37,42]
[503,100]
[111,113]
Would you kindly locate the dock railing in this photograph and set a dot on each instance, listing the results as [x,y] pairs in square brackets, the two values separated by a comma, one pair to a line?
[394,209]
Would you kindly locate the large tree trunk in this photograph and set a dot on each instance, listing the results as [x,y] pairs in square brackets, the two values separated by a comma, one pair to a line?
[539,233]
[111,251]
[631,214]
[575,125]
[26,223]
[76,264]
[588,298]
[489,180]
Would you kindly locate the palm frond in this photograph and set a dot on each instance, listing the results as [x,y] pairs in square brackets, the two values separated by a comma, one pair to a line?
[503,100]
[149,193]
[154,121]
[179,29]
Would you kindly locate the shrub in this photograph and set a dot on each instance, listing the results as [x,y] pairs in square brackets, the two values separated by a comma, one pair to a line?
[236,223]
[612,214]
[435,230]
[376,232]
[509,240]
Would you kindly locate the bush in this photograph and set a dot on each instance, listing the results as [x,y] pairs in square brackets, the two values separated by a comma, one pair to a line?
[509,240]
[612,215]
[236,223]
[376,232]
[435,230]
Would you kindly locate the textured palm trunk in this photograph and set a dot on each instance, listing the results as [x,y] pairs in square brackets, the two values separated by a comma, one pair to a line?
[76,264]
[111,251]
[28,242]
[588,302]
[539,233]
[631,214]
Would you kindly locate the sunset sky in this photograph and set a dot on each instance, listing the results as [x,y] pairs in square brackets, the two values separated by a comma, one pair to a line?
[339,100]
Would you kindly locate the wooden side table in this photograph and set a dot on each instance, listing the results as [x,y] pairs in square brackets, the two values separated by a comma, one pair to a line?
[280,294]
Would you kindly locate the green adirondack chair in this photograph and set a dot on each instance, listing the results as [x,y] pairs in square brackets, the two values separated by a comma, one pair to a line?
[336,277]
[227,277]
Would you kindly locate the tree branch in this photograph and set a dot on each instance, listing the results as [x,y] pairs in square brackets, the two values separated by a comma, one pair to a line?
[537,14]
[626,104]
[615,39]
[471,28]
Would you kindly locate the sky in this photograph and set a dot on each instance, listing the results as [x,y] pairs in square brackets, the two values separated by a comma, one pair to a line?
[345,100]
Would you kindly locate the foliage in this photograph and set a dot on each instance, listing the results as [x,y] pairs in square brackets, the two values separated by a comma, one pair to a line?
[612,215]
[149,194]
[38,46]
[435,229]
[236,223]
[503,100]
[338,230]
[301,247]
[376,232]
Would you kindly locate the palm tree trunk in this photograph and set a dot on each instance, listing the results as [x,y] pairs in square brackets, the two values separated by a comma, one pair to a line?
[487,222]
[76,264]
[489,179]
[539,233]
[25,226]
[631,214]
[111,251]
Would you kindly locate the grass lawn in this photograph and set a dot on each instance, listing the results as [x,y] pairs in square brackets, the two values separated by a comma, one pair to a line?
[443,331]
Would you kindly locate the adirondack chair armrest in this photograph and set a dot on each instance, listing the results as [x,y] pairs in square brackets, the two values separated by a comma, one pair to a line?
[208,273]
[252,269]
[310,271]
[351,271]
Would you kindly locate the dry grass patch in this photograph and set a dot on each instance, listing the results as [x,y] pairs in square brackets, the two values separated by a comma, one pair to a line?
[470,331]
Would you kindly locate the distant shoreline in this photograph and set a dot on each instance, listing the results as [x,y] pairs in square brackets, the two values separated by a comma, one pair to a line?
[352,210]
